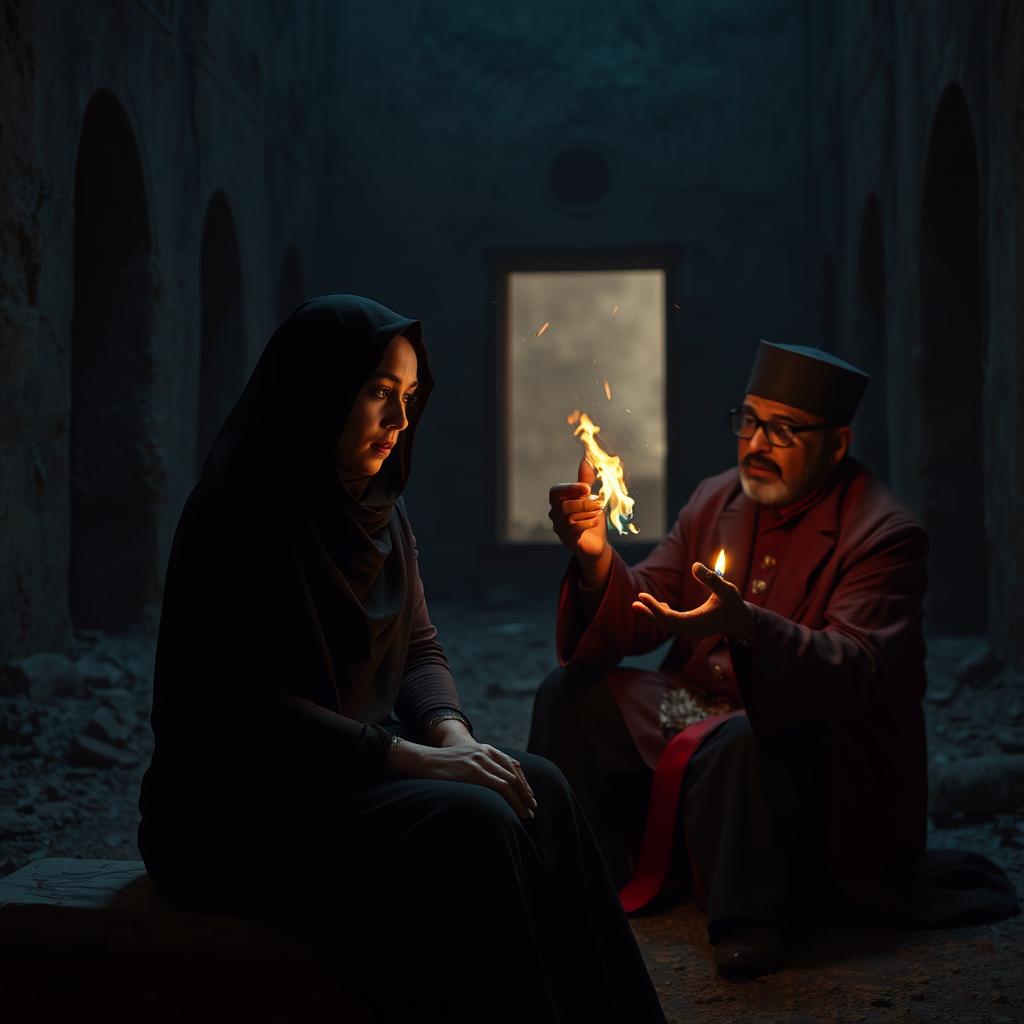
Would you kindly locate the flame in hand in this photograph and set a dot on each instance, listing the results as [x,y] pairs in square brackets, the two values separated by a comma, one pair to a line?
[613,494]
[720,563]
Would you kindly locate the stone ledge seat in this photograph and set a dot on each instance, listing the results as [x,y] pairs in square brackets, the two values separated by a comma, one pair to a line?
[84,940]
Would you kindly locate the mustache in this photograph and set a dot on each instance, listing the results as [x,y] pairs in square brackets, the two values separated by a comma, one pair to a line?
[762,463]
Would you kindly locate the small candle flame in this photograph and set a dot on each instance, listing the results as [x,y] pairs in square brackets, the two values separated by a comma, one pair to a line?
[720,563]
[613,494]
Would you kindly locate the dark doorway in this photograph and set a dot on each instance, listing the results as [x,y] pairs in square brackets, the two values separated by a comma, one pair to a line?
[116,461]
[292,288]
[222,345]
[871,428]
[950,376]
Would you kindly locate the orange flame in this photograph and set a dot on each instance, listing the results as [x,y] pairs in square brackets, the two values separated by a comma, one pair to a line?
[543,327]
[613,494]
[720,563]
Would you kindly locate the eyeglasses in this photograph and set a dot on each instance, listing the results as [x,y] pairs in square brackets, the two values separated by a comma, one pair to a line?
[779,435]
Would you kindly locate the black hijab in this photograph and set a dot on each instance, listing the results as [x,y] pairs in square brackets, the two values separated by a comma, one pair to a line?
[285,579]
[280,437]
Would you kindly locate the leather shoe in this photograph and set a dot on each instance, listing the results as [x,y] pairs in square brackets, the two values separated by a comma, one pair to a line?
[749,951]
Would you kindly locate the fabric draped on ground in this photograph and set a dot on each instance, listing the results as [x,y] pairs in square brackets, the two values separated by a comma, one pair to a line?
[741,819]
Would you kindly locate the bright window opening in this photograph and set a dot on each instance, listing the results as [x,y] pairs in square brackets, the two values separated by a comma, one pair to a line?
[592,341]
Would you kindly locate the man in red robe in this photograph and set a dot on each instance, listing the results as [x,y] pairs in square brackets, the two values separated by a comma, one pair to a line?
[782,739]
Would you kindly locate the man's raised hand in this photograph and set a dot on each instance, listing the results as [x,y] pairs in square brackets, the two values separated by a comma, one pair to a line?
[577,517]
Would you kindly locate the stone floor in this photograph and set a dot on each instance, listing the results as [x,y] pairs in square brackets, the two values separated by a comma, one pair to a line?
[74,741]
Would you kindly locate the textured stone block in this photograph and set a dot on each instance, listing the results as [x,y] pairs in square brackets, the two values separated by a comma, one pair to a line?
[88,752]
[978,668]
[93,939]
[40,676]
[109,727]
[99,672]
[978,786]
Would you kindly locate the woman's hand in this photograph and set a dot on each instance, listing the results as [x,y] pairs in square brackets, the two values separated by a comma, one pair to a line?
[468,761]
[724,611]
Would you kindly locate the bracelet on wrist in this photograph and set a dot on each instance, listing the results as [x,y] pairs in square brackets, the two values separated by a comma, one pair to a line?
[445,715]
[394,741]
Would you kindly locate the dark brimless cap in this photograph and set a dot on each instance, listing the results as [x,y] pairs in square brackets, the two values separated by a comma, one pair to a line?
[809,379]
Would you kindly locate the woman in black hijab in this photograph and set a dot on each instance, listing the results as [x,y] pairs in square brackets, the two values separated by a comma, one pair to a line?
[312,765]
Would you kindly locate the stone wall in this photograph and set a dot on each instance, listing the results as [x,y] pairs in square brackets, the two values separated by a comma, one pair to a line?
[884,76]
[220,99]
[771,155]
[456,130]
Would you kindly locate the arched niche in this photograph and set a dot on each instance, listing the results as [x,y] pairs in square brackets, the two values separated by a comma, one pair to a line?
[871,427]
[292,286]
[951,356]
[116,461]
[222,338]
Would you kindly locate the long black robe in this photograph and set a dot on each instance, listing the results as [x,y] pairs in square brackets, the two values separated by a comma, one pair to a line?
[294,637]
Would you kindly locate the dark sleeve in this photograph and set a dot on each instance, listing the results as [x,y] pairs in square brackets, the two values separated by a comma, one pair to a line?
[616,630]
[326,740]
[791,675]
[427,683]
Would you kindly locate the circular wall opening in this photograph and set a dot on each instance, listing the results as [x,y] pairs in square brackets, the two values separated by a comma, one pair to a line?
[579,176]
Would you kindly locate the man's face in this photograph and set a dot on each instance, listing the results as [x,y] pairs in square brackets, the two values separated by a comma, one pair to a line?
[776,476]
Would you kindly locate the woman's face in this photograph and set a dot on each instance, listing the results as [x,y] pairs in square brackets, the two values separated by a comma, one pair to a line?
[380,412]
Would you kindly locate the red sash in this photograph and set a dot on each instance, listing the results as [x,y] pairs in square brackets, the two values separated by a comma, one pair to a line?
[656,848]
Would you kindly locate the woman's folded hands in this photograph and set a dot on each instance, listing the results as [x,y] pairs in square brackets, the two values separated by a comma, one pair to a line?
[461,758]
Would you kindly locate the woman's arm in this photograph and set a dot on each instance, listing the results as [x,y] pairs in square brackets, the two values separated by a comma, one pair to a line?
[323,738]
[427,684]
[426,700]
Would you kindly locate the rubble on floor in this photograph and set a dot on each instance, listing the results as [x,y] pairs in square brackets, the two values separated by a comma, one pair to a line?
[75,740]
